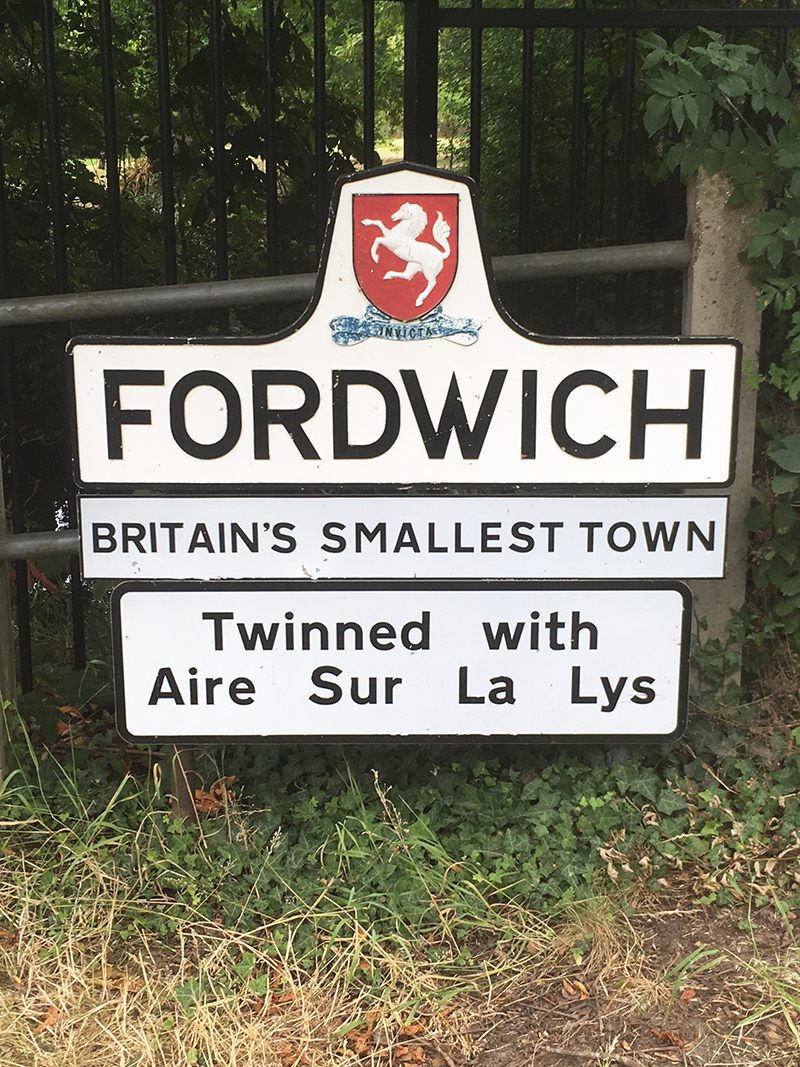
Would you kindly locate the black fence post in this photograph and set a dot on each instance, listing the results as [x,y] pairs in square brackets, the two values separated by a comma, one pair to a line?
[421,63]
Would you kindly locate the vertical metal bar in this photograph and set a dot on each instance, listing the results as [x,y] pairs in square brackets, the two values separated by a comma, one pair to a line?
[624,161]
[625,151]
[577,150]
[165,144]
[475,92]
[369,82]
[781,40]
[17,515]
[526,138]
[270,134]
[218,140]
[320,121]
[60,262]
[20,567]
[110,140]
[57,214]
[420,78]
[8,679]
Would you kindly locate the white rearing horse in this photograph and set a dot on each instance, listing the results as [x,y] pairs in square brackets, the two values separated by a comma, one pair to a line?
[402,240]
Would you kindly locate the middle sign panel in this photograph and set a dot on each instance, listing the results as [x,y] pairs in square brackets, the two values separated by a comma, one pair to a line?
[403,537]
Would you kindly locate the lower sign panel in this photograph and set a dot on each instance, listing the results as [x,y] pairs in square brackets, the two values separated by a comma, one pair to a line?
[344,661]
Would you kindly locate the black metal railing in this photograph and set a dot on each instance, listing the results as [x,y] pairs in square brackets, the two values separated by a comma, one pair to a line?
[256,110]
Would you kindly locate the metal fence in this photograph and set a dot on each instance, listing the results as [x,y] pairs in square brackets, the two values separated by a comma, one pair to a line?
[598,182]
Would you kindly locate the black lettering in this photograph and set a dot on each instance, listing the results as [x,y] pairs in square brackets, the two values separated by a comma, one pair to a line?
[489,537]
[453,416]
[258,636]
[341,382]
[502,635]
[424,628]
[177,414]
[318,679]
[667,539]
[364,533]
[575,695]
[518,532]
[382,635]
[561,395]
[117,416]
[290,418]
[406,538]
[691,417]
[707,540]
[238,534]
[103,532]
[165,678]
[217,617]
[629,540]
[200,538]
[529,390]
[241,691]
[643,686]
[340,544]
[286,542]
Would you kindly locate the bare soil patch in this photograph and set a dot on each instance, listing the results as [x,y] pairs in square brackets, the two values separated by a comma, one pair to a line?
[688,985]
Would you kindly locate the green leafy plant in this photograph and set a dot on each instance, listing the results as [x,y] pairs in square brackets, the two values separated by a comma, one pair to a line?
[723,107]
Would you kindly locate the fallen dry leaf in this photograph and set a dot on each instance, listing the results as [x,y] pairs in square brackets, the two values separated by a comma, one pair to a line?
[50,1017]
[8,938]
[574,989]
[670,1037]
[213,801]
[688,994]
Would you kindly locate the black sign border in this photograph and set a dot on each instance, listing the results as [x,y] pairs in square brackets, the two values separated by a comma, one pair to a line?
[340,586]
[392,489]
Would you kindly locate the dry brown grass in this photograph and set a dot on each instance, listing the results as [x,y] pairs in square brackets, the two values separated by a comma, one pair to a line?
[605,983]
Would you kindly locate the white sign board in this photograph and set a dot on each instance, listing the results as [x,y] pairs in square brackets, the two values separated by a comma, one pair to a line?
[288,661]
[392,537]
[404,373]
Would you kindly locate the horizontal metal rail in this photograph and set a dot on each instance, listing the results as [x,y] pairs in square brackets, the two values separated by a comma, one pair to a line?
[296,288]
[619,259]
[29,545]
[602,18]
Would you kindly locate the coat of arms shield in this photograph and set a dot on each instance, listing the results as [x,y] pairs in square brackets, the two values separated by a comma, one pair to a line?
[405,250]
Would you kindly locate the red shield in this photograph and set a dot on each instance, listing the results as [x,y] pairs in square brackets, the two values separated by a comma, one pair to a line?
[405,250]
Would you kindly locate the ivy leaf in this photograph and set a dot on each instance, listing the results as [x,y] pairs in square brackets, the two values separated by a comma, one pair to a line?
[757,519]
[785,483]
[784,517]
[668,803]
[788,456]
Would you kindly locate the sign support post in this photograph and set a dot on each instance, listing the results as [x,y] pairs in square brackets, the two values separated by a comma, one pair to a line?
[719,297]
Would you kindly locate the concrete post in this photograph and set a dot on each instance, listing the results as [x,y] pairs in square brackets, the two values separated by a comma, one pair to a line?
[8,681]
[719,300]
